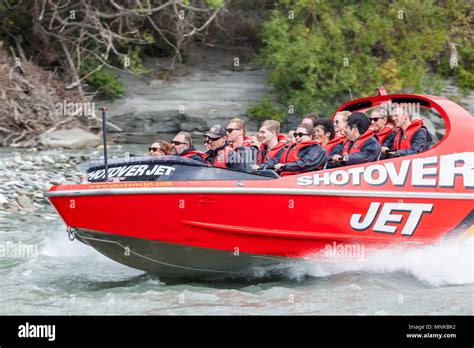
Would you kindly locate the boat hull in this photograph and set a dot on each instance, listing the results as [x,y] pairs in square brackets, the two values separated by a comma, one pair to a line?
[175,261]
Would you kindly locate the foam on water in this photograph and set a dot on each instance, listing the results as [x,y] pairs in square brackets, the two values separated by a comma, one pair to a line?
[445,263]
[61,246]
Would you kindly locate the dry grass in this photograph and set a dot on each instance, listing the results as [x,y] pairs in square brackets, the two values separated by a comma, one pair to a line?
[28,98]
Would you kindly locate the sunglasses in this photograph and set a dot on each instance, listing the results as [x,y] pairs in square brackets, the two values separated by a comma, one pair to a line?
[299,135]
[211,139]
[230,130]
[375,119]
[177,143]
[154,149]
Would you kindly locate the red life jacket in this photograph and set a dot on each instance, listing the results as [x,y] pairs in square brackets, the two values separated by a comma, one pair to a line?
[358,143]
[291,154]
[269,154]
[247,141]
[192,153]
[405,142]
[384,132]
[221,157]
[282,138]
[331,144]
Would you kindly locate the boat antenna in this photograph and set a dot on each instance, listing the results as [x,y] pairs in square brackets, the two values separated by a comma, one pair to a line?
[350,94]
[104,138]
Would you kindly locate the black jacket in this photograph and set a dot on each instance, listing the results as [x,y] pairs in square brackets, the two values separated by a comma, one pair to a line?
[233,160]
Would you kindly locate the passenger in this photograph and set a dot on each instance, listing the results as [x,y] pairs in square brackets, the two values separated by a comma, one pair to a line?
[310,118]
[410,138]
[361,145]
[270,149]
[290,140]
[304,156]
[255,140]
[382,124]
[183,146]
[340,123]
[236,133]
[325,134]
[282,138]
[220,153]
[160,148]
[236,136]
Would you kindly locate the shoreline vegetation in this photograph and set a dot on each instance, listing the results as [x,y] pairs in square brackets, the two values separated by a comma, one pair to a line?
[317,54]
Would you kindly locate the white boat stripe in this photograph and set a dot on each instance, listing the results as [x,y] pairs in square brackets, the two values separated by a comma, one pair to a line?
[262,191]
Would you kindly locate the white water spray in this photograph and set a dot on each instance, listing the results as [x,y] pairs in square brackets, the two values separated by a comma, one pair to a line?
[446,263]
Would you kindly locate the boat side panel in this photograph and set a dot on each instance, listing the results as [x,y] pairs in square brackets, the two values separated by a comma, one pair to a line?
[281,225]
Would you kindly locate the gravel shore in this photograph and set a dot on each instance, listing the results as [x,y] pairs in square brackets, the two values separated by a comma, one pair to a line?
[24,179]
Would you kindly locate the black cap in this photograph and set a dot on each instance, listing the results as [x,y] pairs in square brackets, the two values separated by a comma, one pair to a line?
[216,132]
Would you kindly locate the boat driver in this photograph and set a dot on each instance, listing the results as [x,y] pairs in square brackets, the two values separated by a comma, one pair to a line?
[182,145]
[361,145]
[220,153]
[411,137]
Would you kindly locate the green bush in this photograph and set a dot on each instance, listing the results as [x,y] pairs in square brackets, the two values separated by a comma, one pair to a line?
[106,82]
[332,49]
[134,61]
[265,109]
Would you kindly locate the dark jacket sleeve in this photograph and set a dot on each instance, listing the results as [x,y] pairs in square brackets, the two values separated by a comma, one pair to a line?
[388,142]
[368,153]
[337,150]
[248,157]
[197,158]
[235,162]
[272,161]
[311,158]
[419,143]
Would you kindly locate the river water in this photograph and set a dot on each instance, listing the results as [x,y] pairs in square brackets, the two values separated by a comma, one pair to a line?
[63,277]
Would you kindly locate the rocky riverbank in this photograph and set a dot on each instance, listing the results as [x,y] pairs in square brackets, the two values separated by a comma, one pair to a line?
[24,179]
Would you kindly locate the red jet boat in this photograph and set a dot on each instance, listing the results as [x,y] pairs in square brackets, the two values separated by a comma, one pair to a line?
[178,218]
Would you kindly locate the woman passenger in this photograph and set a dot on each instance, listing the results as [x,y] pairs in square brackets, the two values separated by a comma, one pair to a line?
[325,134]
[382,124]
[304,156]
[160,148]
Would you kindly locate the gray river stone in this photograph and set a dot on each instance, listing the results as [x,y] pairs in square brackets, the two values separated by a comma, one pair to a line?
[75,138]
[24,202]
[3,199]
[21,191]
[26,166]
[47,159]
